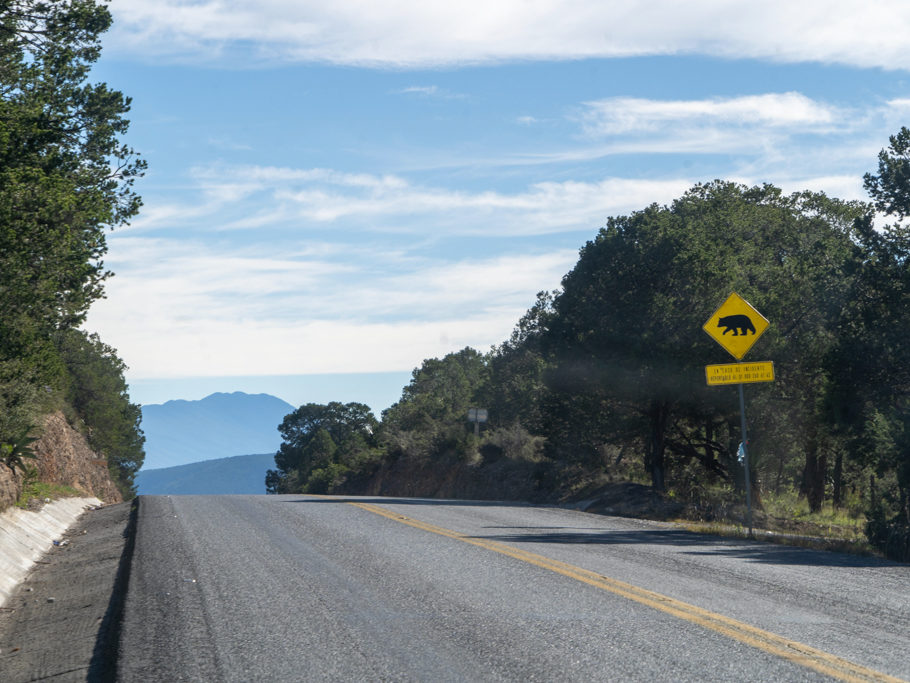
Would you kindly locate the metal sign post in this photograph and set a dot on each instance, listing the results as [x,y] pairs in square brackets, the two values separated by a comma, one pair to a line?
[477,415]
[737,326]
[745,447]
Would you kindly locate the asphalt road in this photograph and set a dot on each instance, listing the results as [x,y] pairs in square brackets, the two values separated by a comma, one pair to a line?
[297,588]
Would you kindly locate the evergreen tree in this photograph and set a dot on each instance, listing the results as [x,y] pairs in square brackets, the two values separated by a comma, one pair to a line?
[625,339]
[429,420]
[65,179]
[98,393]
[315,438]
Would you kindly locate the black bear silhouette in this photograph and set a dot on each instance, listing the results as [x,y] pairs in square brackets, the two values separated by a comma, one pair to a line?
[739,324]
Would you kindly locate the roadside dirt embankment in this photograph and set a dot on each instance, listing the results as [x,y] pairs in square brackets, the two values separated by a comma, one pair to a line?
[64,457]
[502,479]
[520,480]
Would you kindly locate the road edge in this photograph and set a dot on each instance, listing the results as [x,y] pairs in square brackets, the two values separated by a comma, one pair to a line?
[103,665]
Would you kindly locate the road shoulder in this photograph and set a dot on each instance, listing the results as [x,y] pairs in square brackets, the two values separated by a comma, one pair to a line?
[62,622]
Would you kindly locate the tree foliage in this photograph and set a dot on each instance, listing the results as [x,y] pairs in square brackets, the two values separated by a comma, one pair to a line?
[66,178]
[321,443]
[325,444]
[97,391]
[890,189]
[613,363]
[430,417]
[870,399]
[516,369]
[626,351]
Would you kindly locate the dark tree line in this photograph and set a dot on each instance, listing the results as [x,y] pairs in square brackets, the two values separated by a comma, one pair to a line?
[65,179]
[610,369]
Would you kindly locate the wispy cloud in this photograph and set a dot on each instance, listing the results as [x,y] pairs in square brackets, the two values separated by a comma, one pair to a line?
[419,90]
[787,139]
[230,145]
[431,91]
[296,198]
[182,309]
[439,32]
[790,111]
[763,134]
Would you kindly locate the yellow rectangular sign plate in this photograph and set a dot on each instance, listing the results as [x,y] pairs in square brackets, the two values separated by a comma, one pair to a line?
[740,373]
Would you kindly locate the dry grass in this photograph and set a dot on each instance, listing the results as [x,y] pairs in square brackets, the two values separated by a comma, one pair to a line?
[36,493]
[785,519]
[833,541]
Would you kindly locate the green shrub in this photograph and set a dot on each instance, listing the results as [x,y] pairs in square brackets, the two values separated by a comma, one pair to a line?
[516,443]
[14,454]
[892,539]
[20,399]
[326,479]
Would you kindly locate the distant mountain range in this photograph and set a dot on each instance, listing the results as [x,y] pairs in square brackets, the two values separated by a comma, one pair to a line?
[217,426]
[239,474]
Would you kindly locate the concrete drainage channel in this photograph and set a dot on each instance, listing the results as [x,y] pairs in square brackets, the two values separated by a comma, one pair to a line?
[25,536]
[64,572]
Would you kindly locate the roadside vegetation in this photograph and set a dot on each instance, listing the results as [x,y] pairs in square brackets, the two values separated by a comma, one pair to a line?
[601,385]
[36,493]
[603,381]
[65,180]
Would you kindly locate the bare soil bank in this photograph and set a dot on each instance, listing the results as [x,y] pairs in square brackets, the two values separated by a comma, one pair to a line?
[64,457]
[519,480]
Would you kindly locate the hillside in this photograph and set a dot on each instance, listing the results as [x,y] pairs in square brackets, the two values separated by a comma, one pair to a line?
[217,426]
[63,457]
[237,474]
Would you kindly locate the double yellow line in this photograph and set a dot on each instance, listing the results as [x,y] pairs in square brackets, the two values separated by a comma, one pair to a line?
[791,650]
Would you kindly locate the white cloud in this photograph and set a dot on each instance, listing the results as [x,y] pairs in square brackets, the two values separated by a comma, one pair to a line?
[297,201]
[192,310]
[786,111]
[230,145]
[431,91]
[193,307]
[396,33]
[420,90]
[846,187]
[212,348]
[392,203]
[251,178]
[198,280]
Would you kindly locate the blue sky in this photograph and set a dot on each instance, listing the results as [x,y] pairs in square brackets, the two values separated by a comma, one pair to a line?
[337,191]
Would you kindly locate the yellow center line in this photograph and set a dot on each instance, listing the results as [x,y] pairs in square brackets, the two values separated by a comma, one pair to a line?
[794,651]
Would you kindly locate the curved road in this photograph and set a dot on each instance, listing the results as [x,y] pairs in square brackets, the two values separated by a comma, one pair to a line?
[293,588]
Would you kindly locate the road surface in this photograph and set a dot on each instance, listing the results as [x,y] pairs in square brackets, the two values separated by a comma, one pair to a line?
[294,588]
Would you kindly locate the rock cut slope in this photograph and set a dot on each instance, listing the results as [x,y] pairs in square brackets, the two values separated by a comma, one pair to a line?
[64,457]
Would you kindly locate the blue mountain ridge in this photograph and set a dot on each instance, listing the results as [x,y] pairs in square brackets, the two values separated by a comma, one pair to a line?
[218,426]
[234,475]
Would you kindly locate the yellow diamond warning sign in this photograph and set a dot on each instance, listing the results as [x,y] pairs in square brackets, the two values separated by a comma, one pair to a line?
[736,325]
[740,373]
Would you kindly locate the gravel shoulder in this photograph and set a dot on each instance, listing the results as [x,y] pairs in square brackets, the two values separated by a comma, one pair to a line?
[62,623]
